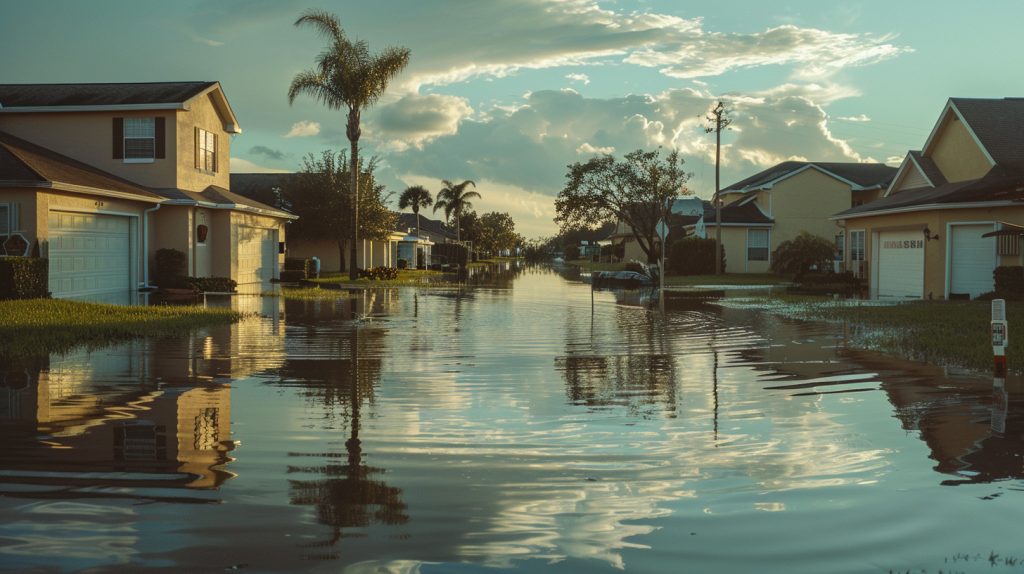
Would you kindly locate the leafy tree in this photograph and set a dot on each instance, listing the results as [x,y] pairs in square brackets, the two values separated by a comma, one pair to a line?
[497,232]
[469,226]
[804,251]
[321,195]
[347,76]
[415,198]
[638,190]
[454,199]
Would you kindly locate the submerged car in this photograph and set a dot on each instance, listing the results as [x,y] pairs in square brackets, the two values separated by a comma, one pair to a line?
[620,279]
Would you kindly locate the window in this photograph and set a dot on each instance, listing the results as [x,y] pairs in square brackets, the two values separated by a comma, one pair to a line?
[206,150]
[840,246]
[757,245]
[139,139]
[857,245]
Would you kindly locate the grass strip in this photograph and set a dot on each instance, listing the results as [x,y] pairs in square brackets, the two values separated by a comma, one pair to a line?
[307,294]
[949,333]
[35,326]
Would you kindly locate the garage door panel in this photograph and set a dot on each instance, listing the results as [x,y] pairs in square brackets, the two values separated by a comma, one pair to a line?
[972,259]
[900,264]
[256,255]
[90,254]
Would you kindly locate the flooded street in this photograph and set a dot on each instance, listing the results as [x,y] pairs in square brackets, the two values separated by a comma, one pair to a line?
[516,425]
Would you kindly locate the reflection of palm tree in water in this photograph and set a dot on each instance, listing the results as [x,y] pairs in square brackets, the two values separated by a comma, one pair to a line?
[348,495]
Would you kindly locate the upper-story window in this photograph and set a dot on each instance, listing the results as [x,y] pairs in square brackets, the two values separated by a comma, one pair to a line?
[139,139]
[206,150]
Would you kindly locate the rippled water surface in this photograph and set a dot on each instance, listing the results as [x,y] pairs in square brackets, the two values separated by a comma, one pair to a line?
[521,425]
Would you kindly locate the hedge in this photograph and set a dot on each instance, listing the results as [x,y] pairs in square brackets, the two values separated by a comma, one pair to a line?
[24,278]
[202,284]
[692,256]
[1009,282]
[452,253]
[379,273]
[828,283]
[170,266]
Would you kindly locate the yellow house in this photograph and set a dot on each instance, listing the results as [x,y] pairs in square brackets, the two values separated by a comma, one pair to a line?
[775,205]
[128,169]
[938,230]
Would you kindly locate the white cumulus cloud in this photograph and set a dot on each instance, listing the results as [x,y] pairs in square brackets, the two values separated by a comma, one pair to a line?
[304,128]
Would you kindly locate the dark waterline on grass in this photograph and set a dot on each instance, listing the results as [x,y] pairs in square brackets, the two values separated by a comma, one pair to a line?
[511,425]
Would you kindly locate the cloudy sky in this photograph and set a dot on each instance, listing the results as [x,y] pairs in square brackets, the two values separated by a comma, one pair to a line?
[509,92]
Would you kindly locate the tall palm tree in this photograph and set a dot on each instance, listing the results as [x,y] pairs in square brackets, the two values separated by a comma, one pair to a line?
[347,76]
[454,199]
[414,198]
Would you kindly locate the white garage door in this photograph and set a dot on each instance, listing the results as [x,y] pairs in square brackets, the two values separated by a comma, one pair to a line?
[257,253]
[90,254]
[900,270]
[972,259]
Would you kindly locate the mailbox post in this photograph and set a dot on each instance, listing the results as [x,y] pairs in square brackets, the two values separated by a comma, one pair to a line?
[1000,338]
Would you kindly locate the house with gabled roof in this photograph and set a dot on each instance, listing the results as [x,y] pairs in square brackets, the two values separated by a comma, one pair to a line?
[953,212]
[776,204]
[104,175]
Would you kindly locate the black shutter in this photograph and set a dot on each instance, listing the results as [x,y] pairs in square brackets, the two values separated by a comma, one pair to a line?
[118,138]
[160,133]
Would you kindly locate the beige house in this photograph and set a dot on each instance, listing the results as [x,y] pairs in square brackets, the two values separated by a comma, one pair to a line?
[953,211]
[775,205]
[402,243]
[103,175]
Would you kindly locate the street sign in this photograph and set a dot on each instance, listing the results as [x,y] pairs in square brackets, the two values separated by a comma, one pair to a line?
[662,230]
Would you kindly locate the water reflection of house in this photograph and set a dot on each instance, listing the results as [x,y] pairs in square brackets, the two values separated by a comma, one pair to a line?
[87,413]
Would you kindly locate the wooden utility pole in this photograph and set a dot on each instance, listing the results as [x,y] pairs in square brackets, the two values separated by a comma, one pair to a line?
[719,115]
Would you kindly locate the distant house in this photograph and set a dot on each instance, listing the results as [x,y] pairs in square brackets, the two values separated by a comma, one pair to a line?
[103,175]
[401,243]
[953,211]
[775,205]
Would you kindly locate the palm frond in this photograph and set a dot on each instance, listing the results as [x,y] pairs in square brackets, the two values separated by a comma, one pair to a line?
[326,24]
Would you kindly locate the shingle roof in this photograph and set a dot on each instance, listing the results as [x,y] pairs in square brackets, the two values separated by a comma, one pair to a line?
[25,95]
[999,184]
[22,161]
[998,123]
[219,195]
[863,174]
[739,211]
[931,171]
[408,221]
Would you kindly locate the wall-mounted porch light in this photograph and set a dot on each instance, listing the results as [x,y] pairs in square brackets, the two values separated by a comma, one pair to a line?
[928,234]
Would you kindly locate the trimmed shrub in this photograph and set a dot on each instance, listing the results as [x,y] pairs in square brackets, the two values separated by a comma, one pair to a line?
[452,253]
[692,256]
[379,273]
[170,267]
[800,254]
[24,277]
[402,263]
[828,283]
[212,284]
[1009,282]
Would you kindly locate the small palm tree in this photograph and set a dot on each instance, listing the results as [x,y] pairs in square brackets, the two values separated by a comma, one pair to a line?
[347,76]
[454,199]
[414,198]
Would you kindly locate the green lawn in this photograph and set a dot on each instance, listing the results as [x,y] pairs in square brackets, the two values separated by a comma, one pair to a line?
[406,277]
[954,333]
[728,279]
[307,294]
[35,326]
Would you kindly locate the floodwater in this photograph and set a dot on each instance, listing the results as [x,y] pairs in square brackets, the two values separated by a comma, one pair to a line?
[525,424]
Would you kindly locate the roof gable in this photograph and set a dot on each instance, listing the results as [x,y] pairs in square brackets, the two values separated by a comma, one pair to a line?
[857,175]
[949,112]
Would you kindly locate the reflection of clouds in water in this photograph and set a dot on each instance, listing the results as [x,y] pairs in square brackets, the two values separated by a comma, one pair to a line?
[381,567]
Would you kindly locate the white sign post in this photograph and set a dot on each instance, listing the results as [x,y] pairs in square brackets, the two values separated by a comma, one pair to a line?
[662,230]
[1000,340]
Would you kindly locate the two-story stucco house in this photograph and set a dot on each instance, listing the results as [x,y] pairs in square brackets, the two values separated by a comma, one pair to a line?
[103,175]
[775,205]
[952,213]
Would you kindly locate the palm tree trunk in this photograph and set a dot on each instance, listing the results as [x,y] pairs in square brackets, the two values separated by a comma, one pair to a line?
[417,222]
[458,227]
[353,273]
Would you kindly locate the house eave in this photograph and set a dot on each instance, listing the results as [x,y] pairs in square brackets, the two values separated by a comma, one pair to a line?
[230,207]
[86,108]
[926,207]
[84,189]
